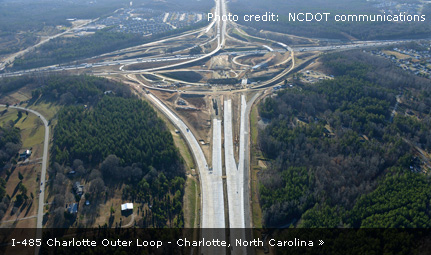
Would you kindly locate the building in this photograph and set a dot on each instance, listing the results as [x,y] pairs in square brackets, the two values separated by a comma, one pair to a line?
[126,207]
[24,155]
[72,208]
[244,81]
[78,188]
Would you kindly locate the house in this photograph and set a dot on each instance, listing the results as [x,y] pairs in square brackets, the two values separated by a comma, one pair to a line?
[78,188]
[126,207]
[24,155]
[72,208]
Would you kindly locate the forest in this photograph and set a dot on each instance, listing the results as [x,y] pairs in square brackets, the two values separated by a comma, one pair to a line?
[64,50]
[337,156]
[71,90]
[127,128]
[110,141]
[23,23]
[10,144]
[329,29]
[27,15]
[10,84]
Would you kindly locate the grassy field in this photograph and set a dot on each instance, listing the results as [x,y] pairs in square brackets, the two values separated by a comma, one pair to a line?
[184,150]
[255,169]
[31,175]
[187,76]
[48,110]
[32,137]
[32,130]
[190,203]
[396,54]
[248,38]
[105,211]
[253,126]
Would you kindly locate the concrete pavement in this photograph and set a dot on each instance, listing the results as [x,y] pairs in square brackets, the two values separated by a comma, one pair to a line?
[212,202]
[212,208]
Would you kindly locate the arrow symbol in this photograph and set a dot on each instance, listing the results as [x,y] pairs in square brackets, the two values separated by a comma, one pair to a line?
[321,242]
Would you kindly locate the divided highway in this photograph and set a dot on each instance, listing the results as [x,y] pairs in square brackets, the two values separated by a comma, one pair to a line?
[235,179]
[234,175]
[237,176]
[212,202]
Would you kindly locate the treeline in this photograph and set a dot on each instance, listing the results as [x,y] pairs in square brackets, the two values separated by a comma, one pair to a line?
[33,16]
[108,140]
[9,84]
[13,42]
[82,89]
[10,144]
[373,69]
[162,208]
[63,50]
[329,29]
[334,150]
[127,128]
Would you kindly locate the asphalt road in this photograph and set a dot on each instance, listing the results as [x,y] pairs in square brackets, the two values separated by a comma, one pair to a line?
[212,202]
[12,57]
[39,224]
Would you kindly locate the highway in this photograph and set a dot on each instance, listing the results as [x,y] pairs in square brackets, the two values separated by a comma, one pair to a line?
[135,48]
[221,31]
[39,224]
[12,57]
[190,58]
[220,42]
[182,60]
[233,173]
[212,202]
[245,136]
[201,162]
[349,46]
[234,179]
[124,62]
[237,179]
[215,178]
[238,176]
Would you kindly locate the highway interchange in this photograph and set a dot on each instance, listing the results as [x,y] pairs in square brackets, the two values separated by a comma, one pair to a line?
[236,172]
